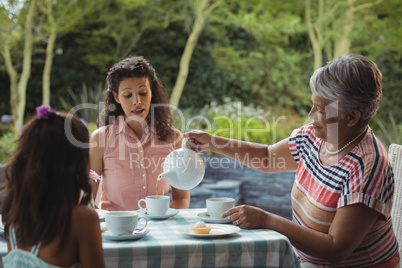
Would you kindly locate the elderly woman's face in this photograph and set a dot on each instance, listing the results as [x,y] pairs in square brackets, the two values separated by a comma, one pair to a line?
[327,121]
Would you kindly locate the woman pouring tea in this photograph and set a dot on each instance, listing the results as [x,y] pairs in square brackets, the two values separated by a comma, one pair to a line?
[343,188]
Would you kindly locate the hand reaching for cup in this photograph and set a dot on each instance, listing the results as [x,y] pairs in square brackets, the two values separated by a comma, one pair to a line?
[248,217]
[198,141]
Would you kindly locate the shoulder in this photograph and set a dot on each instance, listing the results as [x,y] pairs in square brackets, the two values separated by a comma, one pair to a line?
[370,148]
[372,153]
[97,139]
[303,135]
[304,131]
[177,133]
[84,214]
[369,163]
[84,220]
[99,133]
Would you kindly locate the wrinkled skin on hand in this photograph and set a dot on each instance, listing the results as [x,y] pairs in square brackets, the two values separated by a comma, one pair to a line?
[248,217]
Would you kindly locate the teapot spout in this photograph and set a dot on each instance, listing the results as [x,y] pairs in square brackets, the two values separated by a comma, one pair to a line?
[169,175]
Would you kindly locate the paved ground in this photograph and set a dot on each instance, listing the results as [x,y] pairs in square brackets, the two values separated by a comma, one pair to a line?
[228,178]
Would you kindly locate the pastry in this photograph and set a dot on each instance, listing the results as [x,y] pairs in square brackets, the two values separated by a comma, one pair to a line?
[201,228]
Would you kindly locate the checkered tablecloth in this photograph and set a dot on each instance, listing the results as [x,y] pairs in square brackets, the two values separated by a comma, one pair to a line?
[164,247]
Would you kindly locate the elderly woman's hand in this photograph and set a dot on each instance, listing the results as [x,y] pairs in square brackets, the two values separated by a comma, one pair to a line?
[198,140]
[248,217]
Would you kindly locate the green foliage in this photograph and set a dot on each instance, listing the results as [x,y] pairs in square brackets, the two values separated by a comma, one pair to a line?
[7,145]
[205,83]
[7,138]
[256,52]
[113,32]
[236,121]
[387,130]
[92,127]
[385,35]
[87,104]
[390,65]
[269,77]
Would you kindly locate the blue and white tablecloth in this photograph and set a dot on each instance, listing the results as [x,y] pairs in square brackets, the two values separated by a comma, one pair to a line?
[164,247]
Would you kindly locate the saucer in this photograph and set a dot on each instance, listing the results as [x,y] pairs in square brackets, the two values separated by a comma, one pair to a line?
[205,217]
[107,235]
[170,213]
[217,230]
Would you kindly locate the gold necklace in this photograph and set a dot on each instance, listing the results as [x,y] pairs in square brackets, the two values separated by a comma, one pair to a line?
[346,145]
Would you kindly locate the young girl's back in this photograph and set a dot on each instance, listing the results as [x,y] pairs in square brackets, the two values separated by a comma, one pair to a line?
[47,220]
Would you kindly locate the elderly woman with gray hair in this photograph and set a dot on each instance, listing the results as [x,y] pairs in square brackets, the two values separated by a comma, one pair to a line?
[343,189]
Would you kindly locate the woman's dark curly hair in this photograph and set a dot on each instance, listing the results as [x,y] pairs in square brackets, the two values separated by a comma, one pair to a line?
[137,67]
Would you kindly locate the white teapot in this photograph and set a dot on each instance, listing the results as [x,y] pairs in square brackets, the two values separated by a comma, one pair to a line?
[183,168]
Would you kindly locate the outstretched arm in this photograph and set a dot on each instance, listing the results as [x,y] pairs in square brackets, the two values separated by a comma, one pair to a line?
[270,159]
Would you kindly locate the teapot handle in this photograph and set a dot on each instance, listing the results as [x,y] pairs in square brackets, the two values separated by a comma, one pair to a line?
[184,143]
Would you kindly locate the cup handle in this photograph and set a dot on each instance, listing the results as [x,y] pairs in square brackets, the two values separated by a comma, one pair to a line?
[141,208]
[143,227]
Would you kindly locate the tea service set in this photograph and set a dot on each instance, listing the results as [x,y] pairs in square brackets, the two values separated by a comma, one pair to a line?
[132,225]
[184,169]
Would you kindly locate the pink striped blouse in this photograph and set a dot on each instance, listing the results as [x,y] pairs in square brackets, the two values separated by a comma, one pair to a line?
[131,167]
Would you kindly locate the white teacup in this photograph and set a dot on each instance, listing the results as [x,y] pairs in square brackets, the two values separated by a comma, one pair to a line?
[123,222]
[155,205]
[217,205]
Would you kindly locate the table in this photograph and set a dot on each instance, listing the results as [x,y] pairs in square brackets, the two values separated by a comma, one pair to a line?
[164,247]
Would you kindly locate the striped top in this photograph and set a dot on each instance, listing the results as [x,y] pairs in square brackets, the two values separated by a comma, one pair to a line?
[362,176]
[19,258]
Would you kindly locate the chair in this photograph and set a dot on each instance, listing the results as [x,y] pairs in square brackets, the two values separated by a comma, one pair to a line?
[395,158]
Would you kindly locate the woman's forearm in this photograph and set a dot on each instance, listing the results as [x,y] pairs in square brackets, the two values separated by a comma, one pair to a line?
[253,155]
[347,230]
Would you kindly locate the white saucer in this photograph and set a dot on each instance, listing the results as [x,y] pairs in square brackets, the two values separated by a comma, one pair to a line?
[205,217]
[217,230]
[107,235]
[170,213]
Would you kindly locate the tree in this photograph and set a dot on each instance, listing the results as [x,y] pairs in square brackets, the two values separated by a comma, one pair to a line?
[262,48]
[18,82]
[331,24]
[114,32]
[61,17]
[202,8]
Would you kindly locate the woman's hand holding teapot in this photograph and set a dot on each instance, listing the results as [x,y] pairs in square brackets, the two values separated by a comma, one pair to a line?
[198,141]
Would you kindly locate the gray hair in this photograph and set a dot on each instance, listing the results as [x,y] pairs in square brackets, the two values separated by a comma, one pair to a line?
[354,82]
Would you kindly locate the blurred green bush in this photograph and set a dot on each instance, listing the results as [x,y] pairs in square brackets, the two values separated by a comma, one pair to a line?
[236,121]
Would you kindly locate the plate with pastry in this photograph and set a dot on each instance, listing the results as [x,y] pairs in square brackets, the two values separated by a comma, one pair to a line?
[202,230]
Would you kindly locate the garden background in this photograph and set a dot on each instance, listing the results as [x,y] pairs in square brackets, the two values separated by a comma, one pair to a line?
[249,61]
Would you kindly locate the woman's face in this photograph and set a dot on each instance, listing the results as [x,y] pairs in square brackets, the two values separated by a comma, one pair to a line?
[134,97]
[327,120]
